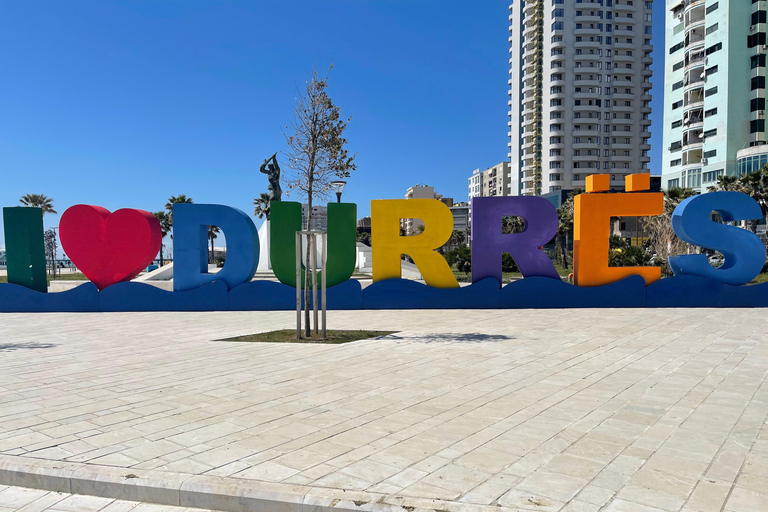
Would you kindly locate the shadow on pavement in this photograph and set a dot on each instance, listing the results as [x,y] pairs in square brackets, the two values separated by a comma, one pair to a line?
[8,347]
[474,337]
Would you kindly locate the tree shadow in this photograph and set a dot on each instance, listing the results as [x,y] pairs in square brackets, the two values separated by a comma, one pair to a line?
[9,347]
[474,337]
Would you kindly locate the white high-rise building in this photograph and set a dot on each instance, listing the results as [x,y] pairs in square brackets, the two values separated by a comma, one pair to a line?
[714,91]
[494,181]
[579,92]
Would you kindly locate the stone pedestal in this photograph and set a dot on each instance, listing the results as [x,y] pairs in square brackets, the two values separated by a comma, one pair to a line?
[265,264]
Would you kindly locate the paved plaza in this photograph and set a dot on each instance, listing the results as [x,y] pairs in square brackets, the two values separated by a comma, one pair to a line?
[548,410]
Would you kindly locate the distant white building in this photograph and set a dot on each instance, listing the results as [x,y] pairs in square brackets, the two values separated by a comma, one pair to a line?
[494,181]
[319,217]
[460,213]
[417,192]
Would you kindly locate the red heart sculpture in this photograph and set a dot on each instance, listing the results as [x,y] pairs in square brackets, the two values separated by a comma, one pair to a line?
[109,247]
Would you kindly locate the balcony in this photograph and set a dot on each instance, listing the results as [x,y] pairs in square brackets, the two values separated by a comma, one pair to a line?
[692,157]
[694,37]
[693,118]
[693,98]
[693,139]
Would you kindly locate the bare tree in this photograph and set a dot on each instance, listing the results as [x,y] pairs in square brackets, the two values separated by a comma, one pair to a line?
[317,152]
[663,240]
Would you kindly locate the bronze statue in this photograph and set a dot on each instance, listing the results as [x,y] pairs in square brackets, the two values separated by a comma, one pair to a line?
[272,170]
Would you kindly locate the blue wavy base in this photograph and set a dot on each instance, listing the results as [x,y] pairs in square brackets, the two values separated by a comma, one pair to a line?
[405,294]
[262,296]
[544,293]
[528,293]
[274,296]
[702,292]
[18,299]
[145,297]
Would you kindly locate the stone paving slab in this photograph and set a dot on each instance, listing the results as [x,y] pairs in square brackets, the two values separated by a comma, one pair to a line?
[575,410]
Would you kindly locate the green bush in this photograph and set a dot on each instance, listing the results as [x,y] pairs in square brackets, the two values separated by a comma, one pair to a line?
[508,263]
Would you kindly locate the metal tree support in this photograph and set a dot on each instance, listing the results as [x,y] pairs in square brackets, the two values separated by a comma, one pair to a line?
[312,242]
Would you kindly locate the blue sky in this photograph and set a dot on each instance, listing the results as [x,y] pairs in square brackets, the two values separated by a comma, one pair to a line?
[123,104]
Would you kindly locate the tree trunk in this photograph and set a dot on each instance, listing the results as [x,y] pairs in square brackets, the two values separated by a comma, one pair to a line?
[212,237]
[161,253]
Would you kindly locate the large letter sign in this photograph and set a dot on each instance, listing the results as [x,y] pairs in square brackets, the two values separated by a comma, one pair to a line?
[743,251]
[592,229]
[109,247]
[190,245]
[113,247]
[387,244]
[488,242]
[342,238]
[24,248]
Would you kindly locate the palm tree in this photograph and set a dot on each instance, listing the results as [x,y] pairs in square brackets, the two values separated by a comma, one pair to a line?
[165,228]
[756,186]
[38,201]
[212,232]
[727,183]
[458,237]
[180,199]
[674,196]
[261,205]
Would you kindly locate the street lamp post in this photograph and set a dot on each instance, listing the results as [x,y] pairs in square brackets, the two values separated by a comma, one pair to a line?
[338,187]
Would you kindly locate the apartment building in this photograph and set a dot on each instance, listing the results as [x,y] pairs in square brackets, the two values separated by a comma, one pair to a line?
[411,226]
[494,181]
[579,92]
[319,217]
[714,91]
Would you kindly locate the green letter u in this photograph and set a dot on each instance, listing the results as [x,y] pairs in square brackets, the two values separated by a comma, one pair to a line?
[342,239]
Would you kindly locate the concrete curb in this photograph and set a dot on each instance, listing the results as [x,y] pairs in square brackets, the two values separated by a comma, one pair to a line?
[209,492]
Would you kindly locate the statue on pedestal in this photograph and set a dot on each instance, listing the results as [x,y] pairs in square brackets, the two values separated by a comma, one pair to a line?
[271,168]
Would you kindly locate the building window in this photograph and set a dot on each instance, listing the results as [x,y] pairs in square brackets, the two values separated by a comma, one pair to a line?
[710,154]
[711,176]
[711,71]
[758,82]
[693,178]
[713,90]
[675,163]
[711,29]
[677,124]
[710,112]
[714,48]
[713,7]
[756,39]
[757,125]
[675,183]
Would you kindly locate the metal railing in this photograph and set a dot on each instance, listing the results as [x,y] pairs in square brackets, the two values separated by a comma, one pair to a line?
[312,268]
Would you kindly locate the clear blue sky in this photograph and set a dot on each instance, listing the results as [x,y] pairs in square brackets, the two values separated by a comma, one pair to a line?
[125,103]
